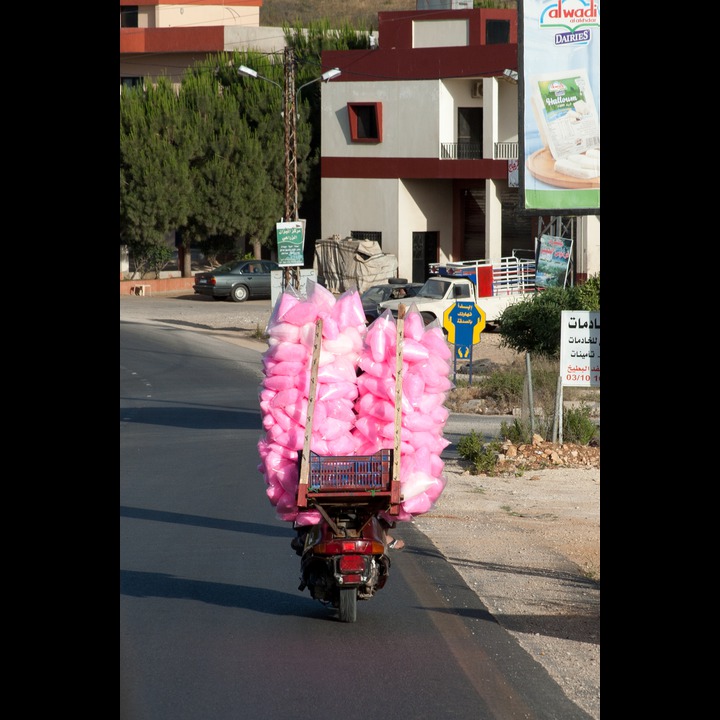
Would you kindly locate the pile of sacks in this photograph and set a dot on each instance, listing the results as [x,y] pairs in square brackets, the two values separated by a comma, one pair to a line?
[354,410]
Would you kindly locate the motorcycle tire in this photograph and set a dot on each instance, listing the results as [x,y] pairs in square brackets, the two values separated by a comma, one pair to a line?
[347,610]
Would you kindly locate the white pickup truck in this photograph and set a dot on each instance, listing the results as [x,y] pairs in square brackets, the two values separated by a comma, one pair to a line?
[492,285]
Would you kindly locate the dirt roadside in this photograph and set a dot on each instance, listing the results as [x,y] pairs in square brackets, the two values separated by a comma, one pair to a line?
[526,542]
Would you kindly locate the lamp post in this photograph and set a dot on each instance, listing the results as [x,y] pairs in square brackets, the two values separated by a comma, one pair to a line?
[290,116]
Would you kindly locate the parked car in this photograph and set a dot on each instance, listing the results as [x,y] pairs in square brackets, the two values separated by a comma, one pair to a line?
[238,280]
[396,288]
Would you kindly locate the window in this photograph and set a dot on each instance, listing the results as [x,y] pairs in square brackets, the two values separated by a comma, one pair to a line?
[365,121]
[131,82]
[367,235]
[497,32]
[129,16]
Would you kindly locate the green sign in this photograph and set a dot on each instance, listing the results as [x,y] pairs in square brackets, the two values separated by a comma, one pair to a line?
[290,241]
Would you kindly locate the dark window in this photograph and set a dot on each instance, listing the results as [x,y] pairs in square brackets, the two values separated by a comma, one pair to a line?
[129,16]
[497,32]
[367,235]
[365,122]
[130,82]
[470,127]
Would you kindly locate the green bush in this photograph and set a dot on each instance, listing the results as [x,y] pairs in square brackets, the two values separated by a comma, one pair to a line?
[482,455]
[533,324]
[578,426]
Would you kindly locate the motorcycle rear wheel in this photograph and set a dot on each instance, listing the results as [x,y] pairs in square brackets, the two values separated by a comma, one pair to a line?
[348,605]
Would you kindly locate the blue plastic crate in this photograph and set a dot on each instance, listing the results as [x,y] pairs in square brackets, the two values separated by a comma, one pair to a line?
[338,473]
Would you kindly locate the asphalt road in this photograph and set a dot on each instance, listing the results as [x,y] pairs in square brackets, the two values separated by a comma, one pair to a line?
[212,624]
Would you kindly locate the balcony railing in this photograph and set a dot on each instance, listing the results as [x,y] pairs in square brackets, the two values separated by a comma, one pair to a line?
[505,151]
[473,151]
[461,151]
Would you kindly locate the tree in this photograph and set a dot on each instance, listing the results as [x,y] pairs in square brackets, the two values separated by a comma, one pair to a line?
[534,325]
[155,150]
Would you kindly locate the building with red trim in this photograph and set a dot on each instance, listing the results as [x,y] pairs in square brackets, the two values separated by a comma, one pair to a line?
[419,141]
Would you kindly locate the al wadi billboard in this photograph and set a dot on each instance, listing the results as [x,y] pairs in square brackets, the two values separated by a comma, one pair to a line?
[559,64]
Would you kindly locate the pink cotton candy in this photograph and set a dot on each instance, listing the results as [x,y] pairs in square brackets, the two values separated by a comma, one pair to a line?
[382,387]
[370,366]
[303,312]
[291,351]
[343,345]
[330,428]
[320,296]
[279,416]
[340,409]
[284,332]
[288,368]
[307,336]
[413,388]
[337,390]
[287,300]
[330,330]
[349,310]
[341,370]
[274,491]
[435,490]
[414,326]
[417,505]
[375,407]
[288,479]
[279,382]
[414,484]
[287,516]
[418,421]
[414,351]
[371,428]
[440,415]
[287,502]
[278,449]
[307,517]
[435,342]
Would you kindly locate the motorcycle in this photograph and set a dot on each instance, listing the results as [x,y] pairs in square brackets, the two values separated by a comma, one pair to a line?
[344,557]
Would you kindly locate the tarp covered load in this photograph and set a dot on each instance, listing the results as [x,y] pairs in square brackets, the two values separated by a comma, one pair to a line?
[346,264]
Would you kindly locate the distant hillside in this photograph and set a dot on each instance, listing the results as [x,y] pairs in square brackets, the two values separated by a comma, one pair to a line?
[360,14]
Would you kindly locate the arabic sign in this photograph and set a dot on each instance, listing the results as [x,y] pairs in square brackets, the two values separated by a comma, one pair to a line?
[464,321]
[290,237]
[553,261]
[580,348]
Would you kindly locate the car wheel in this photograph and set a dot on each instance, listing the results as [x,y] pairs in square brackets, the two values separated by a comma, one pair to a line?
[239,293]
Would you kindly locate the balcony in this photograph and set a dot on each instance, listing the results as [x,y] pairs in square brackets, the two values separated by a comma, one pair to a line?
[473,151]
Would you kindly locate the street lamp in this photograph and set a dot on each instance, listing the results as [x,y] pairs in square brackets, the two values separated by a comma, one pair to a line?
[290,101]
[325,77]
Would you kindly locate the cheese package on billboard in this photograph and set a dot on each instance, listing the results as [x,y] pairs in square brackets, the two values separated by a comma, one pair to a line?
[565,112]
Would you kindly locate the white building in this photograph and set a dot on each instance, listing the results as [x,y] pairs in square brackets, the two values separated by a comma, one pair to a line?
[419,139]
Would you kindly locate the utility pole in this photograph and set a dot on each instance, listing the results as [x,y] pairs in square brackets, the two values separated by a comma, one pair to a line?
[290,114]
[292,274]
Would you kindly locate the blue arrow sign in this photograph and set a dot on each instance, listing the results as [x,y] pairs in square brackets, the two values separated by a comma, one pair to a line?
[464,322]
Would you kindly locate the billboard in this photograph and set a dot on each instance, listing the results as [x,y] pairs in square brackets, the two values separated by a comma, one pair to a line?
[560,105]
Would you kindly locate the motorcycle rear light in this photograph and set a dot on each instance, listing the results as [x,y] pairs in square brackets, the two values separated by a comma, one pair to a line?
[350,579]
[341,547]
[351,563]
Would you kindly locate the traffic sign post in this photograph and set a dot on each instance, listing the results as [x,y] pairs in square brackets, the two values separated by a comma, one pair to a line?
[464,321]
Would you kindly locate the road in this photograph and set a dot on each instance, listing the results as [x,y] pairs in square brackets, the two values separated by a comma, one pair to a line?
[212,625]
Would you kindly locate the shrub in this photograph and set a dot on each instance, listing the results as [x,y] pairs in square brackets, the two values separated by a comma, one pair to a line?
[482,455]
[578,426]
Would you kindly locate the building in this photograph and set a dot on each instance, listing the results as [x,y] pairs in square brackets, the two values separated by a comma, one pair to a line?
[419,144]
[163,37]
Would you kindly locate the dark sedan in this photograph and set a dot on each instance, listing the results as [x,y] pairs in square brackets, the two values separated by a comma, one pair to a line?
[237,280]
[376,294]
